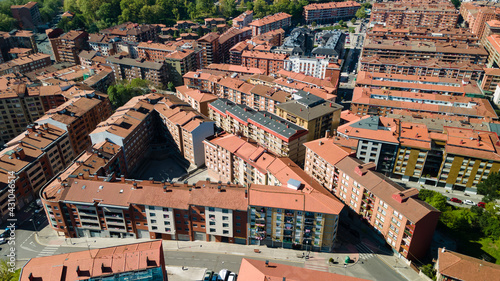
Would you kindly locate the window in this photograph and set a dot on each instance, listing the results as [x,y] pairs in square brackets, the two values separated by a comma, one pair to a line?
[154,228]
[212,229]
[212,223]
[166,223]
[177,215]
[165,209]
[185,216]
[211,209]
[167,229]
[166,216]
[224,218]
[152,214]
[151,207]
[225,225]
[225,232]
[238,224]
[225,211]
[153,221]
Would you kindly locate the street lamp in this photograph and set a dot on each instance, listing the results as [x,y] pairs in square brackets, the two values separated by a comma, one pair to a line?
[34,226]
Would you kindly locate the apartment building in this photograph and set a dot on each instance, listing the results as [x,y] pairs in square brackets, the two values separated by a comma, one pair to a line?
[70,46]
[211,22]
[428,34]
[316,67]
[129,69]
[24,39]
[451,155]
[297,82]
[269,62]
[277,135]
[29,161]
[195,98]
[258,97]
[243,20]
[493,48]
[311,112]
[134,125]
[148,209]
[154,51]
[25,64]
[144,261]
[491,27]
[20,106]
[369,101]
[230,38]
[181,62]
[231,69]
[269,23]
[403,14]
[490,80]
[210,44]
[27,15]
[419,84]
[405,222]
[79,116]
[330,12]
[54,36]
[270,38]
[187,127]
[428,68]
[102,43]
[422,51]
[133,32]
[476,14]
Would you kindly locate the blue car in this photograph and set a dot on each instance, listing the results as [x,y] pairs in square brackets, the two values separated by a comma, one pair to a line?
[215,277]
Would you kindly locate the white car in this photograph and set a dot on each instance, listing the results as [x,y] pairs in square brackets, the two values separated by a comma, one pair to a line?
[469,202]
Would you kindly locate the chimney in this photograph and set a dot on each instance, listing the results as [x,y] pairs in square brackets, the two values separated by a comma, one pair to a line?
[246,193]
[95,176]
[267,263]
[59,179]
[19,152]
[80,176]
[165,188]
[78,163]
[327,133]
[122,177]
[151,180]
[186,183]
[30,128]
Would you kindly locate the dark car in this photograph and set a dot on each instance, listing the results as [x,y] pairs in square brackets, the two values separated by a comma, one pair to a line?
[456,200]
[215,277]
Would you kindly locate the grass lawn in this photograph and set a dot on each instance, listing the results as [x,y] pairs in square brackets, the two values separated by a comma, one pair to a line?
[490,247]
[472,244]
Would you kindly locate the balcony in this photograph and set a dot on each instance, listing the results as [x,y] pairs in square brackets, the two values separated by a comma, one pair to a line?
[113,215]
[404,247]
[408,232]
[309,221]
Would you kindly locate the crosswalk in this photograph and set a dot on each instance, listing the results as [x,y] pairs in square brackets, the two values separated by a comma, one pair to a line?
[316,264]
[365,253]
[48,251]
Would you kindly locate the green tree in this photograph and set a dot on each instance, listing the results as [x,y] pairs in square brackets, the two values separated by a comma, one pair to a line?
[6,274]
[138,83]
[490,187]
[6,22]
[171,86]
[314,24]
[429,270]
[360,13]
[353,20]
[260,8]
[228,8]
[456,3]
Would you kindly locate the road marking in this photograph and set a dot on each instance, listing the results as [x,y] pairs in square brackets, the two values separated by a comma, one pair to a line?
[364,251]
[48,251]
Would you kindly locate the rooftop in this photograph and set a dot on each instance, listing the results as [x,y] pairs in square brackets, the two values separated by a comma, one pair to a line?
[308,106]
[461,267]
[95,263]
[134,62]
[331,5]
[270,19]
[255,270]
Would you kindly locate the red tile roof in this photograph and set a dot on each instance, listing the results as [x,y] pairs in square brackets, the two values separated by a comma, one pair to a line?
[113,260]
[461,267]
[254,270]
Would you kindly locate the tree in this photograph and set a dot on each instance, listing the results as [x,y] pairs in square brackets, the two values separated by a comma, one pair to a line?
[456,3]
[429,270]
[260,8]
[228,8]
[490,187]
[6,22]
[138,83]
[171,86]
[313,24]
[360,13]
[5,272]
[353,20]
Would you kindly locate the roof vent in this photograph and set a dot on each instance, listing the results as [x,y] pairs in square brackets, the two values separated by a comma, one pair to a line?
[121,190]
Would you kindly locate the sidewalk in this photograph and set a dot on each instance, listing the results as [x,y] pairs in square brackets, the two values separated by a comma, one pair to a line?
[49,237]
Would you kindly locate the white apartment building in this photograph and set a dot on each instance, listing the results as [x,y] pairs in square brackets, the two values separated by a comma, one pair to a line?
[315,67]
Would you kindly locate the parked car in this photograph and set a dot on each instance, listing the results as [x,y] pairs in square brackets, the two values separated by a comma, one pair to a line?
[232,277]
[481,205]
[469,202]
[208,275]
[456,200]
[215,277]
